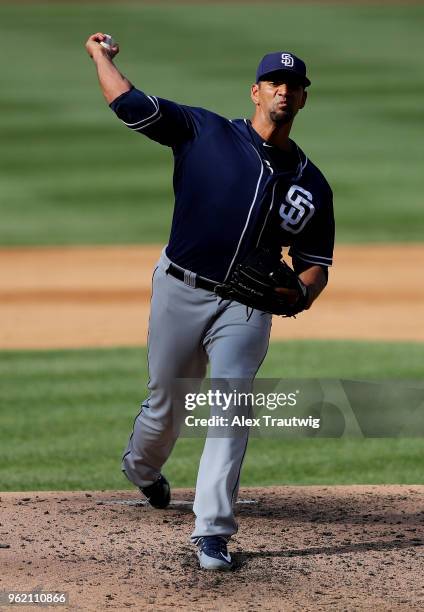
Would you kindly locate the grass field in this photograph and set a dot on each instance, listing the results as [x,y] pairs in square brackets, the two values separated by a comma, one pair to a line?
[65,417]
[72,174]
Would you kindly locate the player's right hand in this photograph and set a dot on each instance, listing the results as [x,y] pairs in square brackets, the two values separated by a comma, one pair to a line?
[94,47]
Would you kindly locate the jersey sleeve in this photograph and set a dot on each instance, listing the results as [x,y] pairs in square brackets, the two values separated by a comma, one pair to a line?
[314,246]
[161,120]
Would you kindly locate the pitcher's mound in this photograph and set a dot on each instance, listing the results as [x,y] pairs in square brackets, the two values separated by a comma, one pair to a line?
[308,548]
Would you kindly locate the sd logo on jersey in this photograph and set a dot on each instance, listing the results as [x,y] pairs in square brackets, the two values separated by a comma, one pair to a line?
[296,210]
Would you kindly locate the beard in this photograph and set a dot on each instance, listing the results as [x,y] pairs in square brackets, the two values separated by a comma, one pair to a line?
[281,117]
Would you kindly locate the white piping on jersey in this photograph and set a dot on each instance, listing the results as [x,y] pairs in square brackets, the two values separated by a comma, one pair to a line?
[155,103]
[147,124]
[249,215]
[312,255]
[302,167]
[317,263]
[268,213]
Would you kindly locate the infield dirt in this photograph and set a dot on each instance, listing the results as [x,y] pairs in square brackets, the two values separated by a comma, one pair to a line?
[308,548]
[100,297]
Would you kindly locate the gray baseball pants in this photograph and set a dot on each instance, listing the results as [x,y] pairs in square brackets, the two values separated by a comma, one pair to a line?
[187,328]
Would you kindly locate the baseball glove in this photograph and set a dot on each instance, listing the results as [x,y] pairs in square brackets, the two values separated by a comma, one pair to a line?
[254,281]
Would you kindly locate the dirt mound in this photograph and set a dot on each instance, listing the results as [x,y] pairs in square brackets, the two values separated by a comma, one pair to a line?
[310,548]
[100,296]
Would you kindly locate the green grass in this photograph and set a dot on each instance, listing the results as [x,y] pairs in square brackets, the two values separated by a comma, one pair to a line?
[65,417]
[72,174]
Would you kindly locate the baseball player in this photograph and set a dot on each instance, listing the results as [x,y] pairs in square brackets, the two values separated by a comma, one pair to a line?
[238,184]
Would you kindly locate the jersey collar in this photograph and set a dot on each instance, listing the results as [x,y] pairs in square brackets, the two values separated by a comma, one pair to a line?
[263,148]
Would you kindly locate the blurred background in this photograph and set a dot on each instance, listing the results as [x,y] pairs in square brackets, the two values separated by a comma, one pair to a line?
[64,157]
[72,178]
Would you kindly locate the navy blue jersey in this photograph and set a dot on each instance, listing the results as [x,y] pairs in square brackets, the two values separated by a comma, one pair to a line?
[232,189]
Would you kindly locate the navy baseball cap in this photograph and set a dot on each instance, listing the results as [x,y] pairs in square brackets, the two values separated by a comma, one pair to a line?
[282,61]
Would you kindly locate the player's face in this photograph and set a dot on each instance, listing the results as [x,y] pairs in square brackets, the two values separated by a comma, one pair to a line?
[280,99]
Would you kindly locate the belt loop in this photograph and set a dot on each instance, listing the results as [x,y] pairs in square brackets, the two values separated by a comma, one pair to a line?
[190,278]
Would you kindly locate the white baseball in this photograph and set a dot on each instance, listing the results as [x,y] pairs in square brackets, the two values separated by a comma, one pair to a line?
[108,42]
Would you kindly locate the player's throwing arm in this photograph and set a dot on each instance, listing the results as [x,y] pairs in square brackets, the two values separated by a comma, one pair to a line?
[102,49]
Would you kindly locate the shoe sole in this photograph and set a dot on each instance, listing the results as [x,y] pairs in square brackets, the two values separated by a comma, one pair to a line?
[160,506]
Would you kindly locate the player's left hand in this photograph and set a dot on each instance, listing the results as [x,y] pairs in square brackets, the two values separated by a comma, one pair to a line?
[265,282]
[291,295]
[295,296]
